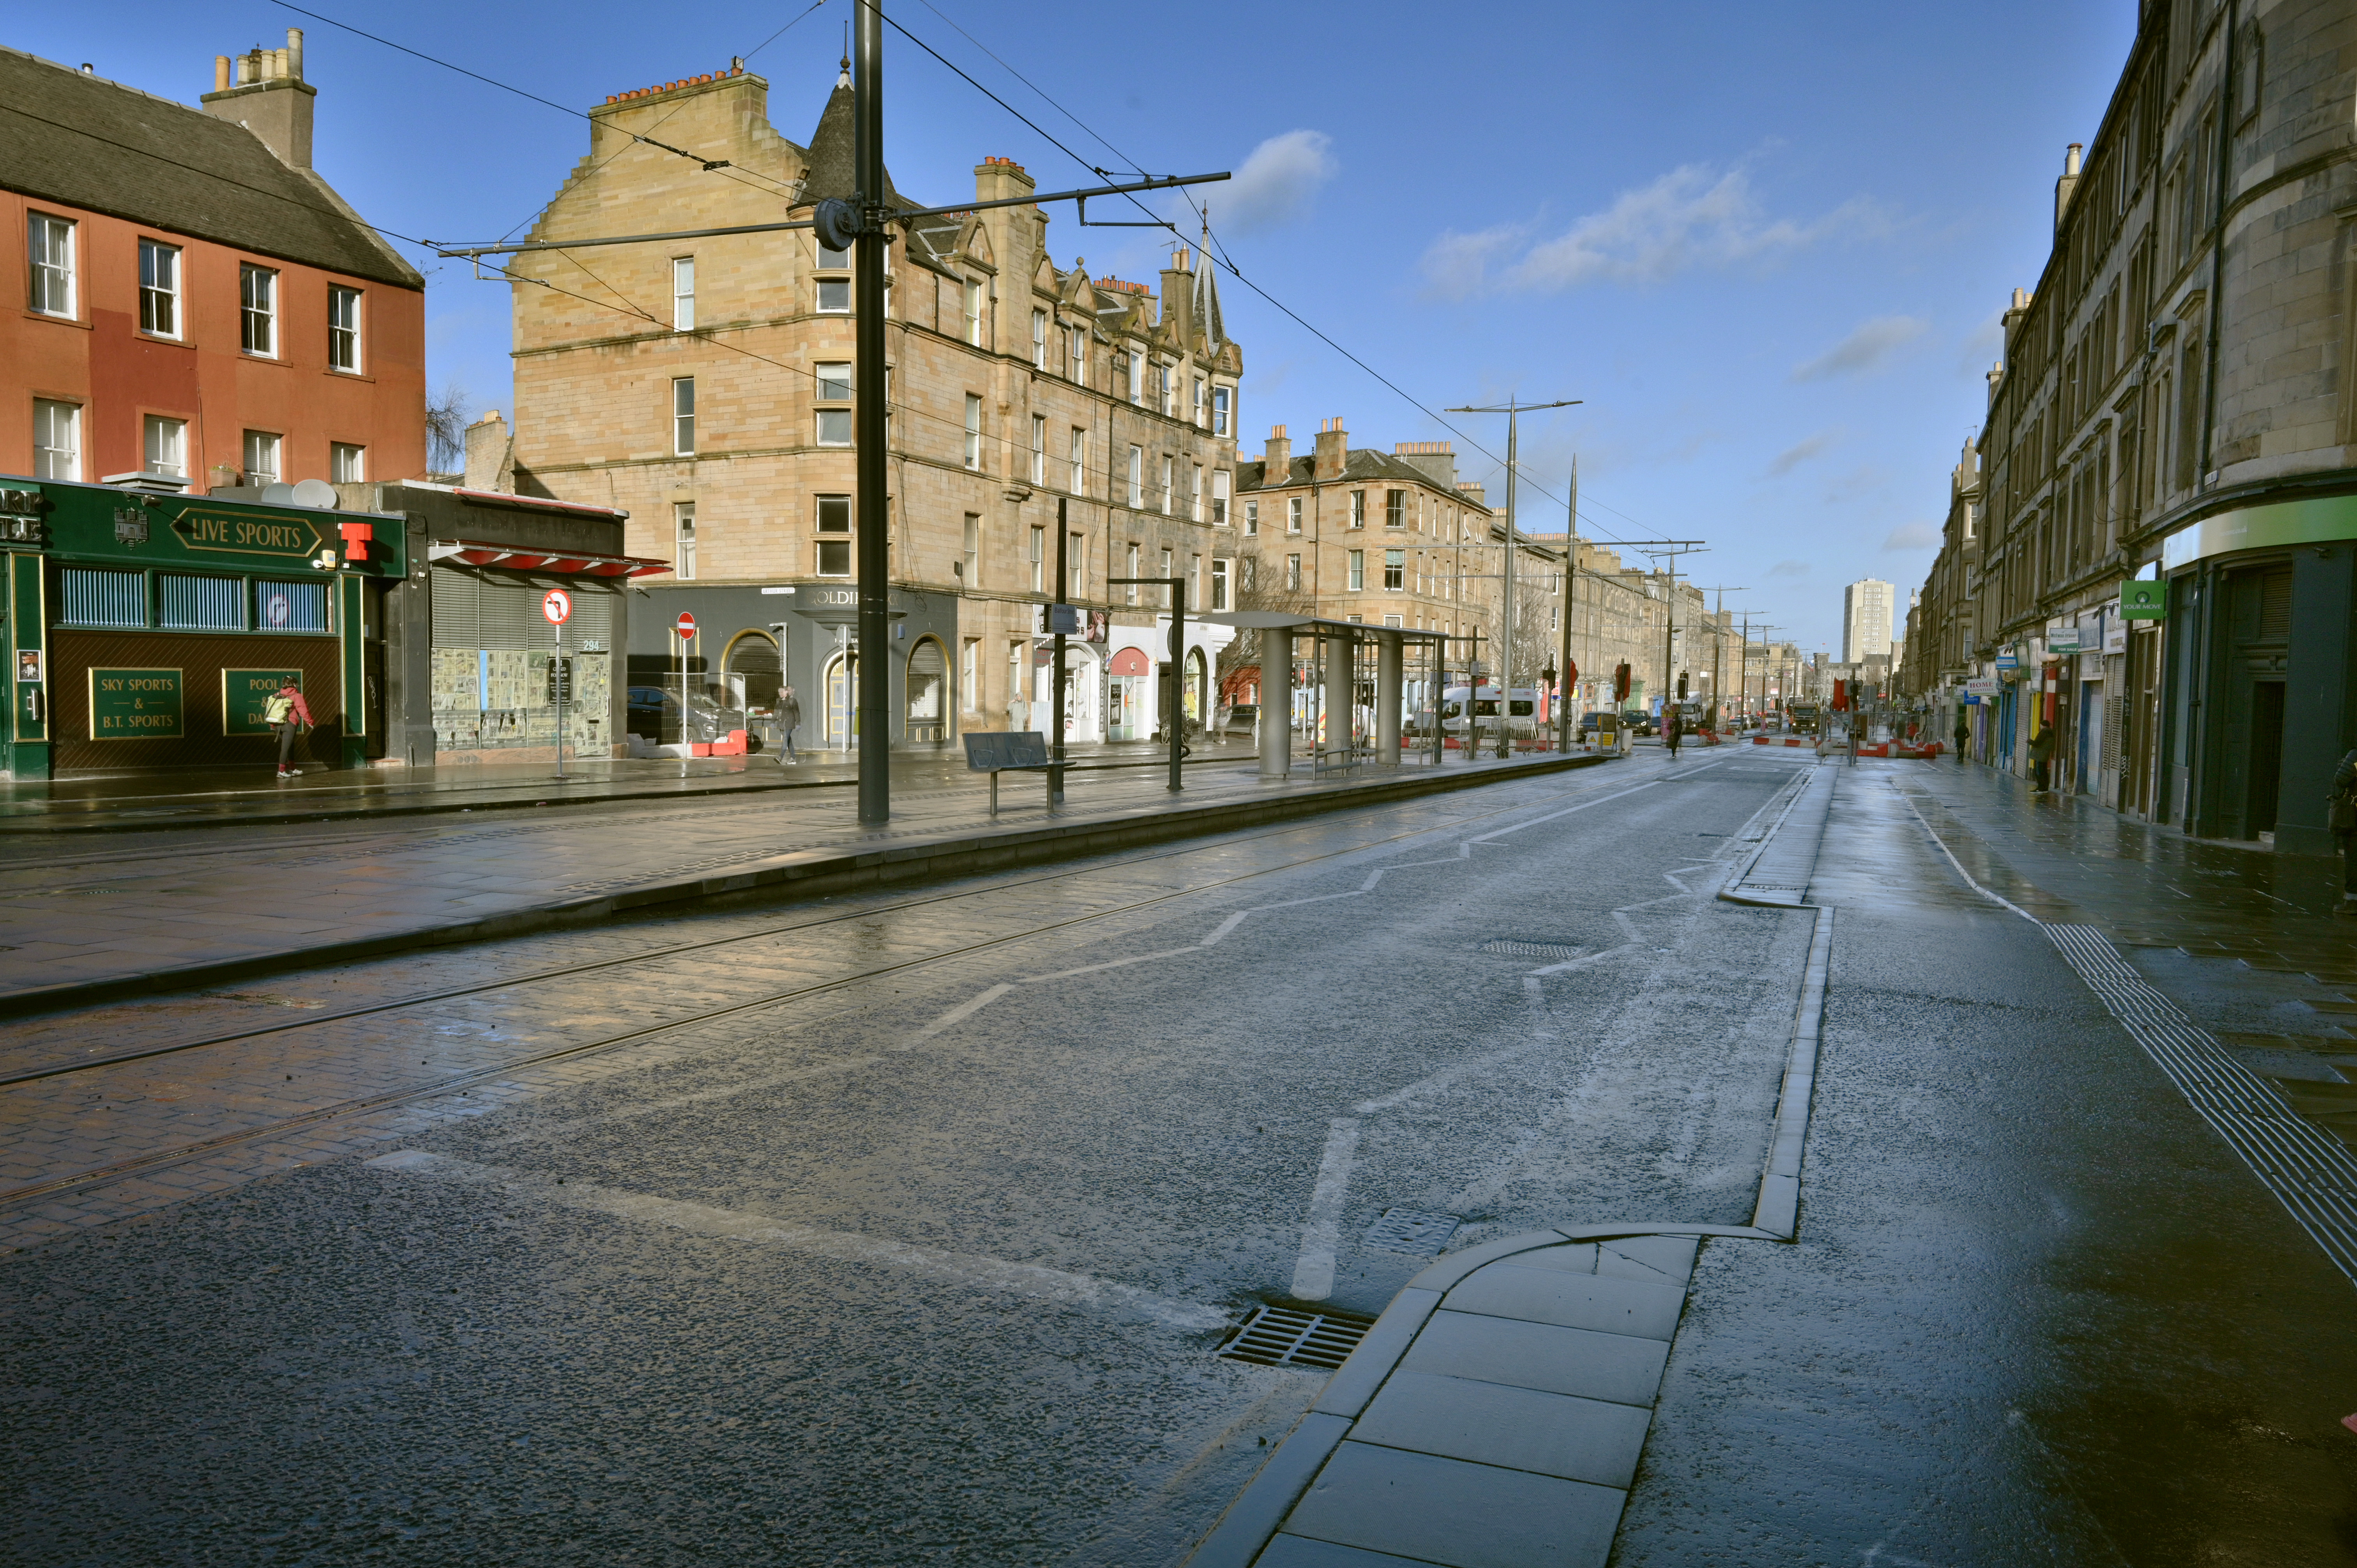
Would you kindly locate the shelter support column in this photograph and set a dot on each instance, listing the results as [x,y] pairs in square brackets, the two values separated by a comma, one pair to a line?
[1389,658]
[1276,703]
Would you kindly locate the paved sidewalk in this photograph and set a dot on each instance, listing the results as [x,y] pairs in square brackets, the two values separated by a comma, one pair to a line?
[110,803]
[89,922]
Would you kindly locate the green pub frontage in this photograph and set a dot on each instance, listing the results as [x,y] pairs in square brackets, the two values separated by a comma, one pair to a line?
[149,629]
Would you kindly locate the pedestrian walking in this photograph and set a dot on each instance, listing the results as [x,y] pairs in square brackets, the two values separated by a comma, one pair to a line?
[2042,760]
[1963,733]
[287,715]
[2340,815]
[1672,728]
[790,719]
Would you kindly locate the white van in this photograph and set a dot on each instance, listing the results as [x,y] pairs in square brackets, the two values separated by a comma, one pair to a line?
[1521,708]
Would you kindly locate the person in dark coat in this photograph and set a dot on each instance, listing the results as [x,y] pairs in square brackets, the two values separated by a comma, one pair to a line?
[2042,760]
[789,718]
[1672,725]
[1963,733]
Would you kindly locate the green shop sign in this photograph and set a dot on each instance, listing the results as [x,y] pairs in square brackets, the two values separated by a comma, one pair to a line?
[249,530]
[245,693]
[134,704]
[2145,599]
[2319,521]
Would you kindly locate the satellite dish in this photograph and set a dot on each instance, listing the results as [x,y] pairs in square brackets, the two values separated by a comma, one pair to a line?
[278,494]
[316,493]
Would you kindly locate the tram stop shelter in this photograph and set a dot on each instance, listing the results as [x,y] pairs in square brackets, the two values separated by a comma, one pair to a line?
[1368,663]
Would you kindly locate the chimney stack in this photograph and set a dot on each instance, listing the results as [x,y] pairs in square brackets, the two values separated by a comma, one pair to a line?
[1276,458]
[264,91]
[1179,298]
[1333,451]
[2067,184]
[490,455]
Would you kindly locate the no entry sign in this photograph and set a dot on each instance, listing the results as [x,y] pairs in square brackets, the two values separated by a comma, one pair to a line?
[558,605]
[685,625]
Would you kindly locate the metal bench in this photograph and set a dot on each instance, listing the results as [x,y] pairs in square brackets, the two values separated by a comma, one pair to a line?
[1013,751]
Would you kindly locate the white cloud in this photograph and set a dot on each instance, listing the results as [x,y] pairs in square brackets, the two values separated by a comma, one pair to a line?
[1276,182]
[1689,218]
[1800,452]
[1914,536]
[1789,569]
[1863,349]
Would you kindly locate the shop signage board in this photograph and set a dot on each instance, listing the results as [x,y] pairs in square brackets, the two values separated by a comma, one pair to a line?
[2061,637]
[2315,521]
[245,693]
[253,534]
[134,704]
[2145,599]
[1981,687]
[2008,657]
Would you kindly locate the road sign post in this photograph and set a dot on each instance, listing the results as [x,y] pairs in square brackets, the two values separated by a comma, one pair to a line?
[558,605]
[685,629]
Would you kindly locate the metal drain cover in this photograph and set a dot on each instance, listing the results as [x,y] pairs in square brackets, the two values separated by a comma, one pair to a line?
[1412,1230]
[1288,1337]
[1534,949]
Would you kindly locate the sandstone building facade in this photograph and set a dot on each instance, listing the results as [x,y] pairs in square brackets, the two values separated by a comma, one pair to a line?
[705,387]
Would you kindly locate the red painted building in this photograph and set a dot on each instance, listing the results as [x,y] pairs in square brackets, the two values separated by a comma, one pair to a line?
[188,296]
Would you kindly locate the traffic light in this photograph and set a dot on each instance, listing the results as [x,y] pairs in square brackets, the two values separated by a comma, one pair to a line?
[1681,688]
[1620,683]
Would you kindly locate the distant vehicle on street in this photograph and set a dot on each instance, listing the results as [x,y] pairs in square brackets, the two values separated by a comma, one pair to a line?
[1805,718]
[1244,717]
[1520,710]
[1637,721]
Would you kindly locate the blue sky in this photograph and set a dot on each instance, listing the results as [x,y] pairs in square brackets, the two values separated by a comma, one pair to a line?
[1766,242]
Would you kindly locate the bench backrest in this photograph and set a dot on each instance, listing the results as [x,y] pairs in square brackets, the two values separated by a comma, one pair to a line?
[995,749]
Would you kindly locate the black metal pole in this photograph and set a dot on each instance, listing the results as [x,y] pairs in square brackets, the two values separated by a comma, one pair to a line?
[1064,587]
[875,694]
[1178,725]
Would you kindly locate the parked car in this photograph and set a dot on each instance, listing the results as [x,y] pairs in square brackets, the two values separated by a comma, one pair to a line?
[654,715]
[1244,716]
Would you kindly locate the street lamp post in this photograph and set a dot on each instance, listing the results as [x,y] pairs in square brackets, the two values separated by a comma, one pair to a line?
[1510,408]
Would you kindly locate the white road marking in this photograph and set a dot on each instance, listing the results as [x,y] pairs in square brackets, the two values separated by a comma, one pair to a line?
[1313,1274]
[966,1009]
[703,1220]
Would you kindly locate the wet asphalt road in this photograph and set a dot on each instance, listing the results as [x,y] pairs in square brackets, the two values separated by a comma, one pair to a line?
[930,1269]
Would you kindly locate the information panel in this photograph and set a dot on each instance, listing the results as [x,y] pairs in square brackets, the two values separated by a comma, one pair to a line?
[246,692]
[134,704]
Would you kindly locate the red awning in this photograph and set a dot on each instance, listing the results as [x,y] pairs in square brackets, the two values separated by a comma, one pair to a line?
[506,558]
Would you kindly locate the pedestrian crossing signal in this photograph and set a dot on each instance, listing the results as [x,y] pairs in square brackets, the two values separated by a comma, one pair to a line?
[1620,683]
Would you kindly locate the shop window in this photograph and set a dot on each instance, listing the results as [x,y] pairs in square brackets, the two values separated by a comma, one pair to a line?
[928,673]
[200,603]
[290,606]
[258,312]
[159,288]
[343,328]
[96,597]
[834,536]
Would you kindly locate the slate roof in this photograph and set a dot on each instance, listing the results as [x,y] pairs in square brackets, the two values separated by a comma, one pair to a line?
[82,141]
[1361,464]
[832,170]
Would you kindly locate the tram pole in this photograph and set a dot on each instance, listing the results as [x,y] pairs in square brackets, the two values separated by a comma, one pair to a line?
[875,693]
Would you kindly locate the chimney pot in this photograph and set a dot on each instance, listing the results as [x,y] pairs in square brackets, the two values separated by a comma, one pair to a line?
[2070,158]
[220,73]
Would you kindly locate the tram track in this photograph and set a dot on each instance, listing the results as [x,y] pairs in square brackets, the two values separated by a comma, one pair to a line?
[17,1196]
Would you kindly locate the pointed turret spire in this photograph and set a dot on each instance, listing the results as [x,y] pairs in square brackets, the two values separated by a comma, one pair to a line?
[830,171]
[1208,320]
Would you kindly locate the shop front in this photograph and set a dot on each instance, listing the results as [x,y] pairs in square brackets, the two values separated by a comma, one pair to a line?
[2258,705]
[147,627]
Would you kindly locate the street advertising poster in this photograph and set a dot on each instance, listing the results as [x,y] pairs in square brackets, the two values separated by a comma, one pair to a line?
[134,704]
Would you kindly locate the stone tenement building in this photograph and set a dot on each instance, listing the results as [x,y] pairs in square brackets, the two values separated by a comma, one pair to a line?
[705,387]
[2176,403]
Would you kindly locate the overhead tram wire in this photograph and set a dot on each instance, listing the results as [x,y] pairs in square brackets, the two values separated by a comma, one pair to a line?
[1226,259]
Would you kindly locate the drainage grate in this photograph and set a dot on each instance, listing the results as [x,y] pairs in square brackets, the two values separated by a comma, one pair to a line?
[1412,1230]
[1534,949]
[1288,1337]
